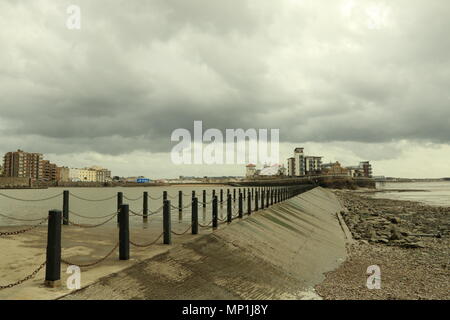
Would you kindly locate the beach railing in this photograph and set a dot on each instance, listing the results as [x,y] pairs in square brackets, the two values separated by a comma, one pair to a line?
[59,220]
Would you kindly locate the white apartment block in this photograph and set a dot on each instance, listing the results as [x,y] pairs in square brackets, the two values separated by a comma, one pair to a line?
[301,165]
[299,158]
[290,167]
[313,164]
[93,174]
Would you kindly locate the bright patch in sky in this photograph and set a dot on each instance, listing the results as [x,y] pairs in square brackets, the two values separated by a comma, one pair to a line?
[372,16]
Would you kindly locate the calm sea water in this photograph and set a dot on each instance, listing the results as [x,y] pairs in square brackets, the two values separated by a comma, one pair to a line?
[435,193]
[38,209]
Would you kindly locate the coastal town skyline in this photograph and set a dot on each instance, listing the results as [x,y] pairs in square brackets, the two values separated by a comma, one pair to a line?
[231,158]
[299,165]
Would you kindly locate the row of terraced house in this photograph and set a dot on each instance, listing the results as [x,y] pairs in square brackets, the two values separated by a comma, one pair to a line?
[21,164]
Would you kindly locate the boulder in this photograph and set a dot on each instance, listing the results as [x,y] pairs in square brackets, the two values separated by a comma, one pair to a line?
[395,234]
[413,245]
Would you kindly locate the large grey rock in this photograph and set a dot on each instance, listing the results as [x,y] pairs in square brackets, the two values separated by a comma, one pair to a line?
[395,234]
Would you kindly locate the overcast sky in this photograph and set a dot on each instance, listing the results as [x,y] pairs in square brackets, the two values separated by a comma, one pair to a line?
[348,80]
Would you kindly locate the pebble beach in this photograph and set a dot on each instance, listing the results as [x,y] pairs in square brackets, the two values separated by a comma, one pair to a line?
[408,240]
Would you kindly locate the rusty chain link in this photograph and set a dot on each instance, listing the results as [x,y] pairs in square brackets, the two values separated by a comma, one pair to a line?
[20,219]
[205,225]
[24,279]
[185,207]
[31,200]
[91,225]
[157,211]
[92,200]
[147,244]
[92,263]
[12,233]
[96,217]
[132,199]
[182,233]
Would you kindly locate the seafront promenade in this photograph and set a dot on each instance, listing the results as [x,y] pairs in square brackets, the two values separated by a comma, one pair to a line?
[301,235]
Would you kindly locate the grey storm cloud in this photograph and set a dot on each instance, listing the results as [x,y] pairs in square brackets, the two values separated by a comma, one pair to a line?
[357,71]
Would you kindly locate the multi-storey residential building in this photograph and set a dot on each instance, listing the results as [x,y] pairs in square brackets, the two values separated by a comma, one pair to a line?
[299,158]
[22,164]
[63,174]
[300,164]
[49,171]
[74,174]
[102,174]
[291,166]
[313,165]
[364,169]
[92,174]
[87,175]
[334,169]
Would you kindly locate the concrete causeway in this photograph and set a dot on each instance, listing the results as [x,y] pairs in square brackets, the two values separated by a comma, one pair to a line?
[277,253]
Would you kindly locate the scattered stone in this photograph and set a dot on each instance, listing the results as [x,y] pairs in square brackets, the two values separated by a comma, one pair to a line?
[395,220]
[414,245]
[395,234]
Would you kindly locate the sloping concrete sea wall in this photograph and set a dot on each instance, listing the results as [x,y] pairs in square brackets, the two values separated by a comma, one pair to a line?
[276,253]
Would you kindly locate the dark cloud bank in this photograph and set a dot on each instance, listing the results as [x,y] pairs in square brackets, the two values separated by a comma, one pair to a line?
[321,72]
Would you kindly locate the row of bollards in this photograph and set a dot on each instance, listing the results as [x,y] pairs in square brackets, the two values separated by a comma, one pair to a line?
[263,198]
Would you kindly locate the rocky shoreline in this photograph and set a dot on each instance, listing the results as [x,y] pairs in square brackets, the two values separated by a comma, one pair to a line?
[408,240]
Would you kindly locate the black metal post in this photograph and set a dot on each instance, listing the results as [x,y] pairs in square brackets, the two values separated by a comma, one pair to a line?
[124,233]
[221,197]
[164,196]
[180,205]
[53,260]
[249,203]
[214,213]
[66,196]
[268,197]
[119,204]
[241,208]
[194,215]
[145,206]
[262,198]
[167,223]
[234,195]
[229,209]
[204,198]
[256,201]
